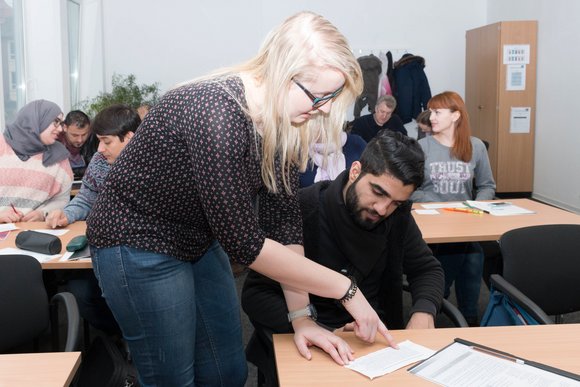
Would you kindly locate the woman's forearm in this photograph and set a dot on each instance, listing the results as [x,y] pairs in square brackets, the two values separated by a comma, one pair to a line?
[286,266]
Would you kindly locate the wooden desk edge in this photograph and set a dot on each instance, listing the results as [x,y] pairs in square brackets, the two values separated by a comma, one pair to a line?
[73,372]
[55,264]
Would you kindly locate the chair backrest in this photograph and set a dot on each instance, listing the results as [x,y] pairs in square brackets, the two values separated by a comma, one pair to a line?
[543,262]
[24,306]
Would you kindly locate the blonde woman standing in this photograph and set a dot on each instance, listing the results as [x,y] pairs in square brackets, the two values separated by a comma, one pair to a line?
[211,173]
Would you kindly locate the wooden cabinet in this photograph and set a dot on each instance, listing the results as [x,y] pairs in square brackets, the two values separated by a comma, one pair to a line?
[489,103]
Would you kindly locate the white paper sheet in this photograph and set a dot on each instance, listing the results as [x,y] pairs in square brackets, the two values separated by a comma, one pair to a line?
[7,227]
[39,257]
[58,232]
[427,212]
[499,208]
[387,360]
[520,119]
[433,206]
[459,365]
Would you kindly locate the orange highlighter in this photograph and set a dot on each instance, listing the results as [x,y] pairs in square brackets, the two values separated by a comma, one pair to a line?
[466,210]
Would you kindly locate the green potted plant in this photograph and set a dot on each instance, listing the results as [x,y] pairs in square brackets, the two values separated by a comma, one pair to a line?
[126,91]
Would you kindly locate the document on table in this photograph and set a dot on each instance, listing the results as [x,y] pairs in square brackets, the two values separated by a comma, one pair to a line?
[58,232]
[39,257]
[464,365]
[426,212]
[433,206]
[387,360]
[499,208]
[7,227]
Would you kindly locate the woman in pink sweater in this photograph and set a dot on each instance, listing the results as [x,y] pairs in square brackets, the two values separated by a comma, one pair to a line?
[35,174]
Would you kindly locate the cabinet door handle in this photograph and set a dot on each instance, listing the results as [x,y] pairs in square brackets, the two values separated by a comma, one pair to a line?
[480,107]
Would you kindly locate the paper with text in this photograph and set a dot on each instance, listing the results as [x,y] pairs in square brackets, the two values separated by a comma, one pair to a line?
[499,208]
[433,206]
[458,365]
[387,360]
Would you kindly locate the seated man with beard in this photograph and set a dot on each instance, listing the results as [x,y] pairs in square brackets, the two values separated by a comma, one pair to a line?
[361,225]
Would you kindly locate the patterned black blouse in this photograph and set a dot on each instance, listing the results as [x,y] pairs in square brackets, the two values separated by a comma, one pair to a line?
[191,175]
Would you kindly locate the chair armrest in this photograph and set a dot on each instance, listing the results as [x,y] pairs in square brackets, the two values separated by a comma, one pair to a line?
[456,317]
[448,309]
[72,323]
[502,285]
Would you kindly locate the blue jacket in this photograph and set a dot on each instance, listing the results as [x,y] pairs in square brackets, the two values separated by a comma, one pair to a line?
[411,87]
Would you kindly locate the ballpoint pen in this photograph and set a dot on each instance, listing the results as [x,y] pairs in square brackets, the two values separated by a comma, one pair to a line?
[13,208]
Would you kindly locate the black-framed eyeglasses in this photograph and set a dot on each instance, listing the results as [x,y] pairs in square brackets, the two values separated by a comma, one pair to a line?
[57,122]
[317,102]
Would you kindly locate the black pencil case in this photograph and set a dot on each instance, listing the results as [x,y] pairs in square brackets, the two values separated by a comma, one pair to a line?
[39,242]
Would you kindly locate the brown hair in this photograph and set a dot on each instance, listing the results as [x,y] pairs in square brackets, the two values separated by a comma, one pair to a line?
[461,149]
[424,118]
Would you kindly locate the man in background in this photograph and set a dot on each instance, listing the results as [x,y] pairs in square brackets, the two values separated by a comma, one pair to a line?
[76,137]
[369,125]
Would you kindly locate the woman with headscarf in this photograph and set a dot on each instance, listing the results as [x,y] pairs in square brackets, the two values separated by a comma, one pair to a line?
[35,174]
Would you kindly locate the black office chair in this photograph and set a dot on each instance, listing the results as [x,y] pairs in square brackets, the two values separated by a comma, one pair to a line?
[541,270]
[25,311]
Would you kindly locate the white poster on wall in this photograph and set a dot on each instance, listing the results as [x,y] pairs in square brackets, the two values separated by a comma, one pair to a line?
[520,118]
[516,77]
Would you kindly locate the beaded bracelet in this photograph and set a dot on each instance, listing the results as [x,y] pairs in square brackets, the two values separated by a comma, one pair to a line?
[351,290]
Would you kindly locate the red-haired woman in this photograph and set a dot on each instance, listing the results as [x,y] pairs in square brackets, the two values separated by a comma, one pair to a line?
[453,161]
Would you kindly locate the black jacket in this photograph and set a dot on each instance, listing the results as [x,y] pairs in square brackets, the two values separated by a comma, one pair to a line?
[411,88]
[367,127]
[407,253]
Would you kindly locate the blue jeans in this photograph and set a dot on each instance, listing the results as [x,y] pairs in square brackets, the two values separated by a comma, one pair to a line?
[180,319]
[462,263]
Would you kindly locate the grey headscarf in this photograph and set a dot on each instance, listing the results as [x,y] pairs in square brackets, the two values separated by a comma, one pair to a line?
[23,135]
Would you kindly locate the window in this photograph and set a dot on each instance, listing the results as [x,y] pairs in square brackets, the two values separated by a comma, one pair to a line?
[12,56]
[74,14]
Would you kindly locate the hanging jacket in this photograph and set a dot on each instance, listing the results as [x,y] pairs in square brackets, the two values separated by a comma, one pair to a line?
[411,87]
[371,67]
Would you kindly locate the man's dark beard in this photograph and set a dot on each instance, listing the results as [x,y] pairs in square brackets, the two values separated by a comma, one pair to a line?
[353,208]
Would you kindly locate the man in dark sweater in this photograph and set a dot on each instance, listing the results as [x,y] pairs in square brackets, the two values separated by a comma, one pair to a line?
[360,224]
[383,118]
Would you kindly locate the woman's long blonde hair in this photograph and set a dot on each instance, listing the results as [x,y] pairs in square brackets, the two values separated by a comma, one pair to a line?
[291,50]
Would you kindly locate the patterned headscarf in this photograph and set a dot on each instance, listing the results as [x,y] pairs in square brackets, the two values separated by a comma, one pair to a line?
[23,135]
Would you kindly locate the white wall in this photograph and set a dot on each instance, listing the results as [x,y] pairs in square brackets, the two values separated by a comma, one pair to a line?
[175,40]
[557,147]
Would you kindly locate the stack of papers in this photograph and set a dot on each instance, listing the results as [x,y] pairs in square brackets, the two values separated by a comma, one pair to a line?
[459,365]
[499,208]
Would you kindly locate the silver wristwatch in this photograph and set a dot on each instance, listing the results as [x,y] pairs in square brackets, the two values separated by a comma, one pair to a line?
[308,311]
